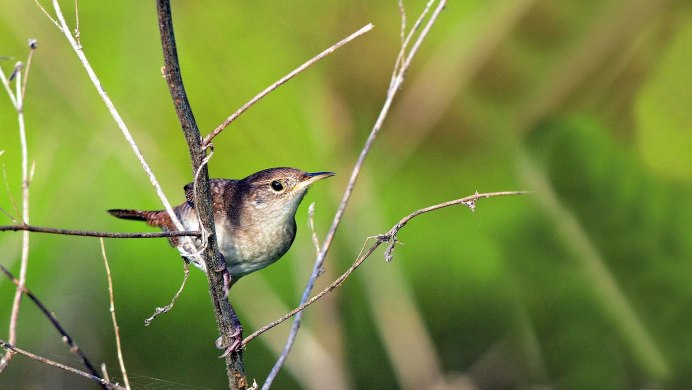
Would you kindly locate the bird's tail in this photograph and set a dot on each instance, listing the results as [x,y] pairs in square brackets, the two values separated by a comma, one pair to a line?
[153,218]
[135,215]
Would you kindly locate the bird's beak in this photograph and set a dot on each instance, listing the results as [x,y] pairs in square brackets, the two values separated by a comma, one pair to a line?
[310,178]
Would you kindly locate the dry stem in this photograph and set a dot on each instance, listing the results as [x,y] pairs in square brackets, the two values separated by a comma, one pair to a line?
[116,329]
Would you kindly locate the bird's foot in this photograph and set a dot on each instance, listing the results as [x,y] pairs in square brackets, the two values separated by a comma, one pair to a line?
[235,342]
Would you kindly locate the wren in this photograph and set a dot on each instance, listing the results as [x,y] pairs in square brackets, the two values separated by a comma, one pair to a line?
[254,217]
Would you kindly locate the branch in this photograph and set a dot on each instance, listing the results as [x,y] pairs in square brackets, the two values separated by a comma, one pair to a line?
[14,350]
[402,64]
[89,233]
[53,320]
[281,81]
[225,317]
[388,237]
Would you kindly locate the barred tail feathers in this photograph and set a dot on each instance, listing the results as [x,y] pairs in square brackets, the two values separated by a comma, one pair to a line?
[153,218]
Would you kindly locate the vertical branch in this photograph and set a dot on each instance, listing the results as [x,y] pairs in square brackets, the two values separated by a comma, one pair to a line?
[116,329]
[225,317]
[18,102]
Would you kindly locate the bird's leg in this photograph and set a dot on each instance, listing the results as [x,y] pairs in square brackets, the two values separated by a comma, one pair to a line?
[227,278]
[234,339]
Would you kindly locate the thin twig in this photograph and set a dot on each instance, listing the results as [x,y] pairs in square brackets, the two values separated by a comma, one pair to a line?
[89,233]
[8,88]
[311,224]
[389,237]
[9,195]
[45,12]
[298,70]
[8,215]
[104,370]
[14,350]
[395,84]
[310,301]
[116,329]
[74,348]
[24,263]
[167,308]
[33,44]
[77,32]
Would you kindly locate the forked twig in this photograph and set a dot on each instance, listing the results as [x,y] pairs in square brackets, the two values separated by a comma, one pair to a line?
[389,237]
[18,101]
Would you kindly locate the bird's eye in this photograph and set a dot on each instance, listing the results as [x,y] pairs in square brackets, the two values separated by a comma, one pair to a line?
[277,186]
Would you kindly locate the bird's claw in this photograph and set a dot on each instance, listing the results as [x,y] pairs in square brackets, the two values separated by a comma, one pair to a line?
[236,339]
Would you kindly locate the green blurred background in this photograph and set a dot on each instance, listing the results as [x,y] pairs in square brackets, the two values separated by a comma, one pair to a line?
[585,284]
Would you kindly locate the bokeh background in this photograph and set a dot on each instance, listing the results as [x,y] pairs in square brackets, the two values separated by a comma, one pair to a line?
[587,283]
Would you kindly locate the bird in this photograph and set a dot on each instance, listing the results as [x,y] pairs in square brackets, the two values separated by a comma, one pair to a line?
[254,218]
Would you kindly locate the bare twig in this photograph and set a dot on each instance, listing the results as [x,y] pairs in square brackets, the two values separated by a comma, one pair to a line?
[89,233]
[116,329]
[8,87]
[167,308]
[388,237]
[9,195]
[74,348]
[298,70]
[401,66]
[33,44]
[8,215]
[104,370]
[14,350]
[311,224]
[77,32]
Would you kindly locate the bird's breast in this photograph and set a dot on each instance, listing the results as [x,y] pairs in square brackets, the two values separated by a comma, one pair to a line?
[247,249]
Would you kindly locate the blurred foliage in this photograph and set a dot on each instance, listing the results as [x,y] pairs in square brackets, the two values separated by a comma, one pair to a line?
[584,284]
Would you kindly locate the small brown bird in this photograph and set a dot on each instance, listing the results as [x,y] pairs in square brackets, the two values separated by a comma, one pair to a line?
[254,217]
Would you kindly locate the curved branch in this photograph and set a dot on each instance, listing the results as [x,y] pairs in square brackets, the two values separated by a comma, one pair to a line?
[389,237]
